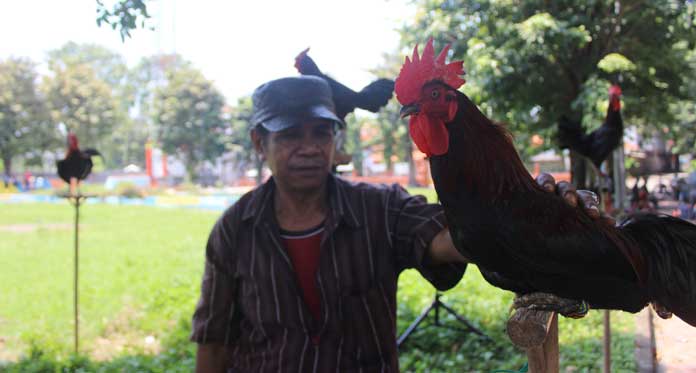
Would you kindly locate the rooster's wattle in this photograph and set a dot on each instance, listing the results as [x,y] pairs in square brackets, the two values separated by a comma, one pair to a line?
[508,225]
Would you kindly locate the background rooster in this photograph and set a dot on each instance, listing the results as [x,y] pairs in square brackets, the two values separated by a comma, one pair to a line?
[371,98]
[77,163]
[598,144]
[507,224]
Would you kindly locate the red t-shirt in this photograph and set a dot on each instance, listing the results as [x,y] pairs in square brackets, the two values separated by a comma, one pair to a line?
[303,249]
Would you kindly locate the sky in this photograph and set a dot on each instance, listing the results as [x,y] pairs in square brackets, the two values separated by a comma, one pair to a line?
[238,44]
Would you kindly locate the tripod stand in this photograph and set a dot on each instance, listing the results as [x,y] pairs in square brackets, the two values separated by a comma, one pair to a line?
[436,305]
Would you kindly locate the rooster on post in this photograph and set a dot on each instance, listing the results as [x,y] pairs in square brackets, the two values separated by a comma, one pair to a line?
[371,98]
[532,240]
[77,163]
[598,144]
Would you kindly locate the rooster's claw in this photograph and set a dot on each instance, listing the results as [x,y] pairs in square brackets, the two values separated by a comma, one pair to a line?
[548,302]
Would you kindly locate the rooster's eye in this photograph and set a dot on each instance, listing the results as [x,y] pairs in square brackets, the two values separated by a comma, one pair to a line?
[435,94]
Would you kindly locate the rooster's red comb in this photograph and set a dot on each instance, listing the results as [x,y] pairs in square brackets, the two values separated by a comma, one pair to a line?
[615,90]
[72,141]
[419,70]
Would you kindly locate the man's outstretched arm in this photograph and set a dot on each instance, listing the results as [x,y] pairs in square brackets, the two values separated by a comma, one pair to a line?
[442,250]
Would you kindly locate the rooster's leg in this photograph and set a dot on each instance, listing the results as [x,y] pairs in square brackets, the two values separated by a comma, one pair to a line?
[661,311]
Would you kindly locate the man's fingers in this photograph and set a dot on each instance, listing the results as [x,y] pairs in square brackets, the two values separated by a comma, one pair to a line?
[547,182]
[609,220]
[590,202]
[568,192]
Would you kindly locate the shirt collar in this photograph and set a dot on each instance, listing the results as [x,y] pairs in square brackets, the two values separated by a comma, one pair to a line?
[261,202]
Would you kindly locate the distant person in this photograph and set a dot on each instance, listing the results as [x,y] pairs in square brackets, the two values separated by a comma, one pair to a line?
[687,197]
[27,180]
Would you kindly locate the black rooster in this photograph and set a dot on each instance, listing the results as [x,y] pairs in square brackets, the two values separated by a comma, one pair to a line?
[598,144]
[371,98]
[507,224]
[77,163]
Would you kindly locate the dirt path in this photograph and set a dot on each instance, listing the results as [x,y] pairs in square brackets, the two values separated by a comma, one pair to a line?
[675,340]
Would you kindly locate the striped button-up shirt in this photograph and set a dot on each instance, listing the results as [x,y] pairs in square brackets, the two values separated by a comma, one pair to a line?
[251,301]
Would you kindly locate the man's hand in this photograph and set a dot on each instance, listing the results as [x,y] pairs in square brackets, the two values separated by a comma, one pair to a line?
[584,198]
[589,201]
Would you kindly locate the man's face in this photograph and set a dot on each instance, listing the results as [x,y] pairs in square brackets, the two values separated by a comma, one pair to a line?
[301,156]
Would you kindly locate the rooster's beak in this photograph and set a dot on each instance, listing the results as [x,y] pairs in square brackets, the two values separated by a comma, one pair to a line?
[407,110]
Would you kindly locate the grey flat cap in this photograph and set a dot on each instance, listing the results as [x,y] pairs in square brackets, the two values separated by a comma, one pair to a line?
[286,102]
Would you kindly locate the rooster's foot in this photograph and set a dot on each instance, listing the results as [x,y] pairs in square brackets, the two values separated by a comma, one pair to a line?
[661,311]
[548,302]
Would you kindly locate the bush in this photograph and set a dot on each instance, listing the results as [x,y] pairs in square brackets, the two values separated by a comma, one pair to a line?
[129,190]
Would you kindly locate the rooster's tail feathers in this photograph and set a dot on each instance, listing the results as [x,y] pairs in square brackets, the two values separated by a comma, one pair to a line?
[92,152]
[668,246]
[570,133]
[375,95]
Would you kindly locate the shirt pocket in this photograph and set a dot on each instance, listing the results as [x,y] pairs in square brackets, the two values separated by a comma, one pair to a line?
[369,327]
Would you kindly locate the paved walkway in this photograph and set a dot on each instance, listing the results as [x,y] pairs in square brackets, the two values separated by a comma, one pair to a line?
[674,341]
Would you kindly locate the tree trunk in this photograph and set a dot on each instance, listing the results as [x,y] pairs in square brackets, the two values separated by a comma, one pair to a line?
[259,169]
[7,163]
[191,164]
[408,147]
[578,170]
[357,154]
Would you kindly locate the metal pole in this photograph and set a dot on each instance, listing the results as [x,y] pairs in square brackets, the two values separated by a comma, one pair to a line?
[76,271]
[607,342]
[620,179]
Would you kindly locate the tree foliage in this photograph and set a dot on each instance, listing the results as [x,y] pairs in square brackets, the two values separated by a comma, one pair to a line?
[125,144]
[24,128]
[189,114]
[125,15]
[81,102]
[239,143]
[139,88]
[530,62]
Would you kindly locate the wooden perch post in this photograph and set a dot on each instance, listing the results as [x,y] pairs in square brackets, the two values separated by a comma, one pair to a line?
[537,333]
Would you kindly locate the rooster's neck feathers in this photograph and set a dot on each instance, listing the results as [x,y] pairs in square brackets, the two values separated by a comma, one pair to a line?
[485,154]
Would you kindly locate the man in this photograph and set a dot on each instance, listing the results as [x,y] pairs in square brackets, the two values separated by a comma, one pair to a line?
[301,273]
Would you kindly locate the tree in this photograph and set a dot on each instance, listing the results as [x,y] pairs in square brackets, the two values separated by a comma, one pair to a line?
[81,102]
[391,128]
[139,88]
[107,65]
[24,128]
[124,15]
[394,129]
[239,141]
[532,61]
[104,72]
[354,145]
[190,119]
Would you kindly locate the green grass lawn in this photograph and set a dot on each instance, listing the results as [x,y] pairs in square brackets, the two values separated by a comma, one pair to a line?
[139,279]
